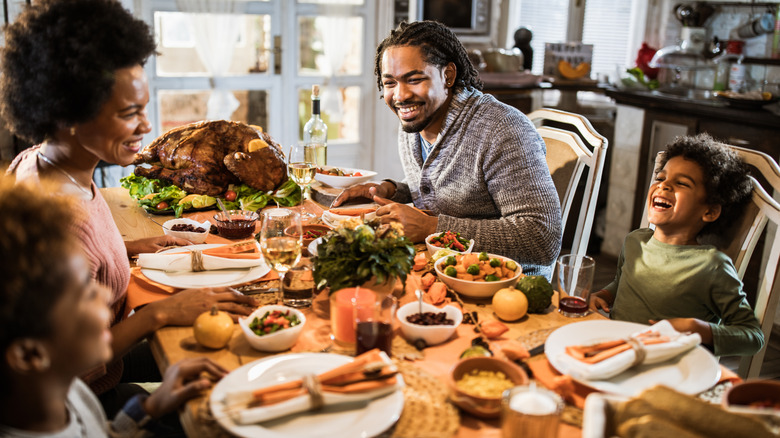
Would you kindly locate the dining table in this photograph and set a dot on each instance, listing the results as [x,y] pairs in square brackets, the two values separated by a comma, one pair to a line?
[426,371]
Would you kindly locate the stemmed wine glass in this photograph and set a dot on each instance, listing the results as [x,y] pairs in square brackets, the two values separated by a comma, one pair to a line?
[301,167]
[281,238]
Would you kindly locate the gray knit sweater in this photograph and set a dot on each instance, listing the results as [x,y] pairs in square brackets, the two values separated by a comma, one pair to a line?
[487,178]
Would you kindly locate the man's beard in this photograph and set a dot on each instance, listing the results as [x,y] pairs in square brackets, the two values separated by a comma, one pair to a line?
[414,127]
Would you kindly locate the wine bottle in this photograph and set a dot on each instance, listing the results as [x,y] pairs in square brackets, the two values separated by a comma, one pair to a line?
[315,132]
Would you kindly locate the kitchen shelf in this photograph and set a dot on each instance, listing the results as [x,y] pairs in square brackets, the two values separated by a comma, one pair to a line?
[761,61]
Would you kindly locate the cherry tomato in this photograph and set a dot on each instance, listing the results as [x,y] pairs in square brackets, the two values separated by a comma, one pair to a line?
[230,195]
[161,206]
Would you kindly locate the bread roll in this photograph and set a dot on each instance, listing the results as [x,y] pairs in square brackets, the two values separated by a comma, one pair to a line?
[652,426]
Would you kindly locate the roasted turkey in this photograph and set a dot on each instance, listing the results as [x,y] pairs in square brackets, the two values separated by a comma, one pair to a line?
[205,157]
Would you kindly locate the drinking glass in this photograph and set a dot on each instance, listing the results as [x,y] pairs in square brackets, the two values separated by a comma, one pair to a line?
[281,239]
[374,325]
[301,167]
[530,411]
[574,279]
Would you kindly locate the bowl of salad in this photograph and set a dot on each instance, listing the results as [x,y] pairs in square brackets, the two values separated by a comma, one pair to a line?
[342,177]
[448,240]
[273,328]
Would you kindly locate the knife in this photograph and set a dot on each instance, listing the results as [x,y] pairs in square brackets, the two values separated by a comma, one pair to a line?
[539,349]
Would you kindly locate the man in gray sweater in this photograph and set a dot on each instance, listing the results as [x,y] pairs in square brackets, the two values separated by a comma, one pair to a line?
[477,164]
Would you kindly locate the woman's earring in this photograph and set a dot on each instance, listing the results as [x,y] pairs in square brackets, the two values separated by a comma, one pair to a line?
[72,130]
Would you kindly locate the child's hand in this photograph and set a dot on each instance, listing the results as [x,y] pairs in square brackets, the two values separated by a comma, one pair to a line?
[600,300]
[691,325]
[183,381]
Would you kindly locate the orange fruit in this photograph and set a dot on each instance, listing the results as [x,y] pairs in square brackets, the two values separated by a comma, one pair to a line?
[510,304]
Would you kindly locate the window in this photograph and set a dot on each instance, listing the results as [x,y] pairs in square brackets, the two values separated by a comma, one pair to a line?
[614,28]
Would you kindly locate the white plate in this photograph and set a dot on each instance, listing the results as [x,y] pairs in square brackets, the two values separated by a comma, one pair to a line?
[693,372]
[220,278]
[343,182]
[370,420]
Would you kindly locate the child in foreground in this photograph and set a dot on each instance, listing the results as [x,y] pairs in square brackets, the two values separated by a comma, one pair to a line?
[54,325]
[666,273]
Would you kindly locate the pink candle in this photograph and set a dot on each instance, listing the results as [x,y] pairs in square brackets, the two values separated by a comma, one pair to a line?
[345,306]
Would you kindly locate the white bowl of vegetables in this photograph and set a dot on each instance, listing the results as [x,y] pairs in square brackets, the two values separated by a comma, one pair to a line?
[273,328]
[448,240]
[477,275]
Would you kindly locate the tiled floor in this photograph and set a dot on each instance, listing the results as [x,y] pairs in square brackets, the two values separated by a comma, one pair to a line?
[605,273]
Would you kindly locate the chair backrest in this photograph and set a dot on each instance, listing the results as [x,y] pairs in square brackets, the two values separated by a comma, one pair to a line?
[740,240]
[569,152]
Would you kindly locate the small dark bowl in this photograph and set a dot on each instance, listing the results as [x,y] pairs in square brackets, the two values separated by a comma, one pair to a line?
[744,393]
[242,226]
[317,228]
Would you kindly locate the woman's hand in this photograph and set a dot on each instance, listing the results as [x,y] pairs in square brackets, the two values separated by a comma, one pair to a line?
[601,300]
[183,307]
[417,225]
[385,189]
[183,381]
[153,244]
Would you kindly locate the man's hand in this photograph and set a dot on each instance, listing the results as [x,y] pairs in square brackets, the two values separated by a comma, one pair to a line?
[691,325]
[183,381]
[601,300]
[153,244]
[417,225]
[385,189]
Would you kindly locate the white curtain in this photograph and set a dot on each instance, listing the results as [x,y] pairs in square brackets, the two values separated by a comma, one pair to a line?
[335,41]
[215,26]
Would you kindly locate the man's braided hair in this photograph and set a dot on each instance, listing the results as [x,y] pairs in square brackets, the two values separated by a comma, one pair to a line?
[439,46]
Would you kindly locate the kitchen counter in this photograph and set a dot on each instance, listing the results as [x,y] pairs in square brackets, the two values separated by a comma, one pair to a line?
[710,108]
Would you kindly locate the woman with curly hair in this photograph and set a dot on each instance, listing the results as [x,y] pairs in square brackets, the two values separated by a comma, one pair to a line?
[73,82]
[475,162]
[667,273]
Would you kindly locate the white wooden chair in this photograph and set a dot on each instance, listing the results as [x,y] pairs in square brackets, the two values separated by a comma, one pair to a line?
[567,157]
[739,243]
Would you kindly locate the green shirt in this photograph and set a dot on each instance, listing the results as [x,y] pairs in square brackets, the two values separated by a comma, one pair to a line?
[656,280]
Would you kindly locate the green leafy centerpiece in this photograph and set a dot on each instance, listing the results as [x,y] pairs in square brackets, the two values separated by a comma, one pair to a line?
[357,252]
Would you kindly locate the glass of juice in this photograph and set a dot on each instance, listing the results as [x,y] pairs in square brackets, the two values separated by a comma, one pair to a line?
[574,280]
[374,326]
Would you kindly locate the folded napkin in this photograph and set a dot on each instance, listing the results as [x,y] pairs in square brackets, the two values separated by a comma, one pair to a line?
[233,256]
[608,359]
[369,376]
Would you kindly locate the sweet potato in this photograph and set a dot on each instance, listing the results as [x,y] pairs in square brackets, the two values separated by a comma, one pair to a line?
[469,259]
[437,292]
[493,329]
[427,280]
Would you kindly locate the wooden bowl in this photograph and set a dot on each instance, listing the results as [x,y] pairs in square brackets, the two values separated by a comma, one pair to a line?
[484,407]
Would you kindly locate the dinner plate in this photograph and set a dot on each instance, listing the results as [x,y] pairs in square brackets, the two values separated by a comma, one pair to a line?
[217,278]
[368,420]
[691,373]
[343,182]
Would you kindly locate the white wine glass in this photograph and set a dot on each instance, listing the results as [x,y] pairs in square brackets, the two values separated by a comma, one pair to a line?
[301,168]
[281,239]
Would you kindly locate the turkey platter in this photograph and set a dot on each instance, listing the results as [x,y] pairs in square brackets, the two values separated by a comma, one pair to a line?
[206,157]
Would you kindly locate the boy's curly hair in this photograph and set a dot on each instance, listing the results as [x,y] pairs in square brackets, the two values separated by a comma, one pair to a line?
[726,176]
[439,46]
[36,245]
[60,59]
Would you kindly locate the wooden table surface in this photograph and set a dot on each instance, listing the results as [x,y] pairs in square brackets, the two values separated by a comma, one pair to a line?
[171,344]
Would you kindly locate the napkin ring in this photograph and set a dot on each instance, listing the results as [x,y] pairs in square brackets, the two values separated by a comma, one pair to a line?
[639,350]
[312,385]
[197,261]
